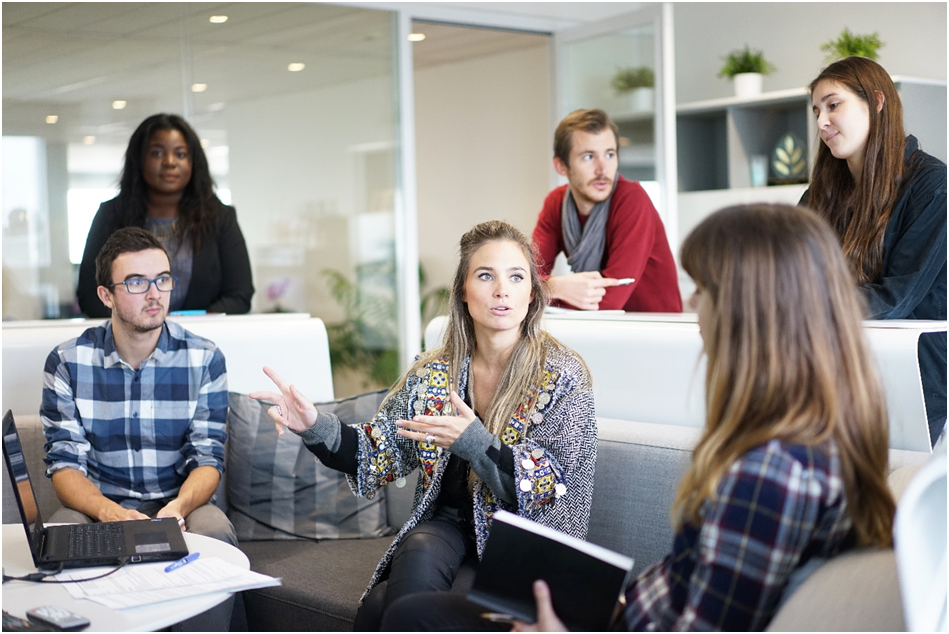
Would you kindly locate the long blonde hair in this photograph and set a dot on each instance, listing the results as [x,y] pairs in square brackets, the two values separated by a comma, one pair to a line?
[527,360]
[786,356]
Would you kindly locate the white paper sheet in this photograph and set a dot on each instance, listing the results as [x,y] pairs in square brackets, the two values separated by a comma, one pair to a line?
[138,585]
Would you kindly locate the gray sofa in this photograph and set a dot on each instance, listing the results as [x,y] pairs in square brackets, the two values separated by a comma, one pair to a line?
[638,468]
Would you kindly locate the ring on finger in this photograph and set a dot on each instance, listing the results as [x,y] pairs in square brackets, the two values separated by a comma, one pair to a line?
[430,439]
[280,410]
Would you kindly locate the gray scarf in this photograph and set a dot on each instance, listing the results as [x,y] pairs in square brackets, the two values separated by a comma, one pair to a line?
[585,245]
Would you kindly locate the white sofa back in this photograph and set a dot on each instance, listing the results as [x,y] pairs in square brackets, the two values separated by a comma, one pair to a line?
[293,344]
[650,368]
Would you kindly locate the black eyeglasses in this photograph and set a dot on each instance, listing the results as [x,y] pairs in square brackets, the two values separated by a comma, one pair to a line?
[139,285]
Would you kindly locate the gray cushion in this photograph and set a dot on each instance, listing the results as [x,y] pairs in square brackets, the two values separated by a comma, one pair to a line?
[322,583]
[277,489]
[638,469]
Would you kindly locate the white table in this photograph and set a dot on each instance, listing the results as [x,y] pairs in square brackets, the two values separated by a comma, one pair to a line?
[20,596]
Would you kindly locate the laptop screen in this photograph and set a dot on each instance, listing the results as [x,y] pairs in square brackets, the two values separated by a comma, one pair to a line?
[20,481]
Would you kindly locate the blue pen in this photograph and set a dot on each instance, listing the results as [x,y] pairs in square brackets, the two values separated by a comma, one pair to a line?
[181,562]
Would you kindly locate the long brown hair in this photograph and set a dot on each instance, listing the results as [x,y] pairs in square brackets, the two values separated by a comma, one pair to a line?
[786,356]
[859,213]
[527,360]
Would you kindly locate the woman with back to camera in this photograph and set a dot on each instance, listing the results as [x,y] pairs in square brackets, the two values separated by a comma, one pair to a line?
[499,417]
[166,187]
[792,461]
[886,200]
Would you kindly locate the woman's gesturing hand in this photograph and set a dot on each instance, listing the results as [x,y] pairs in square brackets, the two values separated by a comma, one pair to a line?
[292,410]
[441,431]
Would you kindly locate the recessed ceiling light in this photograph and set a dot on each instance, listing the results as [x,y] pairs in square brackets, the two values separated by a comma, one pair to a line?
[218,19]
[416,37]
[119,104]
[52,118]
[296,67]
[199,87]
[88,140]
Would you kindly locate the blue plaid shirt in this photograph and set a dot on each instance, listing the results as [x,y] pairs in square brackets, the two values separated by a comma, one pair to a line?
[136,434]
[779,505]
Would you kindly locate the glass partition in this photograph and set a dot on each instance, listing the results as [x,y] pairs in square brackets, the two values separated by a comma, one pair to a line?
[624,66]
[296,107]
[616,72]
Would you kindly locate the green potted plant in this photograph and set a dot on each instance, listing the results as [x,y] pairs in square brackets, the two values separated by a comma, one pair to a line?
[638,83]
[851,45]
[364,345]
[746,67]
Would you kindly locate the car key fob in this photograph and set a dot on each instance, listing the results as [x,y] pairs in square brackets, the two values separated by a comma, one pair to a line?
[57,618]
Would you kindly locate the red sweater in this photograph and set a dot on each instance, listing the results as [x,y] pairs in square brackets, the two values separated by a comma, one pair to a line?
[636,246]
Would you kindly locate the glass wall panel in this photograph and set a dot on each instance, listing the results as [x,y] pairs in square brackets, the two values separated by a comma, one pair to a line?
[616,73]
[296,107]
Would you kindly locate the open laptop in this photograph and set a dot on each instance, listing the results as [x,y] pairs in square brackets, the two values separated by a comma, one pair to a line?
[84,545]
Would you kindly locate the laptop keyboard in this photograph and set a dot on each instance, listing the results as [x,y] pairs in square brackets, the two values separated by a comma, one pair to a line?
[96,540]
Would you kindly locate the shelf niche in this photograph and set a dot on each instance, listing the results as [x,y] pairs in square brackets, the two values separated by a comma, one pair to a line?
[717,138]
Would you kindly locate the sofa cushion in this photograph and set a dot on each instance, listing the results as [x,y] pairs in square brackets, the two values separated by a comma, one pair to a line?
[322,583]
[638,469]
[278,490]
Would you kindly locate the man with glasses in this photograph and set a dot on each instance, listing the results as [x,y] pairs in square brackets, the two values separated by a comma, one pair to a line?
[134,410]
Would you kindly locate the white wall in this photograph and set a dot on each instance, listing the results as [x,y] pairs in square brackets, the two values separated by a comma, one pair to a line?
[790,35]
[483,144]
[296,182]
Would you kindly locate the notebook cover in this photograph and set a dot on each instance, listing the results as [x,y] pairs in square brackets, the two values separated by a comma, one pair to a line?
[585,580]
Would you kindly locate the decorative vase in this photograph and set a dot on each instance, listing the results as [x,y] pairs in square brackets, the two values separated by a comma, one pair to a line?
[641,99]
[747,85]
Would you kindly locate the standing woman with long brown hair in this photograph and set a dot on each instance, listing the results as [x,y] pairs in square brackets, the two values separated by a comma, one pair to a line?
[166,188]
[886,200]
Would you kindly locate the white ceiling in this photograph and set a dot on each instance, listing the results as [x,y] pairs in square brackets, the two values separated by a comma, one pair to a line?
[74,58]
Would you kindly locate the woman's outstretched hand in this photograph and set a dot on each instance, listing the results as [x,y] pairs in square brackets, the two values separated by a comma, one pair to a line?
[547,619]
[441,431]
[292,409]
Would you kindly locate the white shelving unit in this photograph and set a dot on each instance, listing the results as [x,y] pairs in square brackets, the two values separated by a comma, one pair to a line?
[637,154]
[718,137]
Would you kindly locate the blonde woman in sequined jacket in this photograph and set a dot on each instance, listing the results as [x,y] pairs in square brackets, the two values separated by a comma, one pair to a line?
[500,416]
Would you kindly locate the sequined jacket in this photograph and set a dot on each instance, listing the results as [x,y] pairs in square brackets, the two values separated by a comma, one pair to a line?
[552,434]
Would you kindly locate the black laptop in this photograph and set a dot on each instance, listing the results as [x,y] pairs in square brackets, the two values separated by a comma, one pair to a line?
[84,545]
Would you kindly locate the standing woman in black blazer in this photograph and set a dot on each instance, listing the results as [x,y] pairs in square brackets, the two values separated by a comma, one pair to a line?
[166,188]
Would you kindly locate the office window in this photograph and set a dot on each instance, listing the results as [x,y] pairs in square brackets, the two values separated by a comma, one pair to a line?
[295,104]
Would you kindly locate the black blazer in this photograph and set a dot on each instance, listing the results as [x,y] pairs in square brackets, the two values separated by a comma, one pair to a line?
[220,275]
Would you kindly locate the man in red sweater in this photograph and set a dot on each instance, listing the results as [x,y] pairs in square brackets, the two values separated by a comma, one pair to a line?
[605,225]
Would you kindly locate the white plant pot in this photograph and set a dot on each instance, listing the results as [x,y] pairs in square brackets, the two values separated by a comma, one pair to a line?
[747,85]
[641,99]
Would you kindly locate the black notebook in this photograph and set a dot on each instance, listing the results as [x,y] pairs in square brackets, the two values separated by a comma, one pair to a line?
[84,545]
[586,580]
